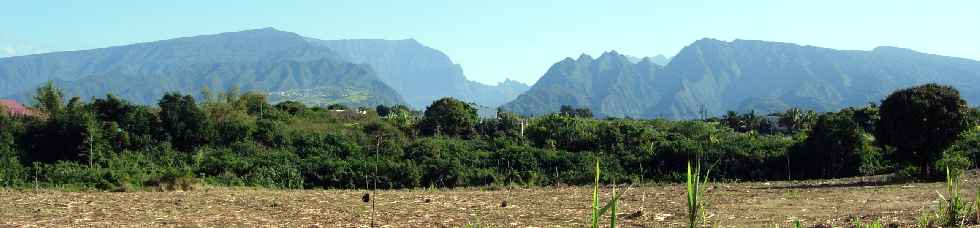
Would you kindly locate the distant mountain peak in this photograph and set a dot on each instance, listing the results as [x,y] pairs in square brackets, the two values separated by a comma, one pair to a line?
[611,54]
[659,60]
[707,40]
[585,57]
[259,31]
[634,59]
[614,58]
[510,81]
[270,28]
[893,49]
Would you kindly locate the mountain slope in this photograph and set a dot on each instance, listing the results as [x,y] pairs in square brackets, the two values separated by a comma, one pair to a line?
[611,85]
[421,74]
[725,76]
[316,82]
[713,76]
[263,59]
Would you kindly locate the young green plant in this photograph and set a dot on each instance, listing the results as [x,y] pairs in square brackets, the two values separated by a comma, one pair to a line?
[695,195]
[952,211]
[874,224]
[610,206]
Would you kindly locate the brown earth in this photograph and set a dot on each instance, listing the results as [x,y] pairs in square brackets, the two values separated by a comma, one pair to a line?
[756,204]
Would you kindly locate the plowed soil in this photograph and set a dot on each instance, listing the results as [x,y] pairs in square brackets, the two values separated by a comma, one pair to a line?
[756,204]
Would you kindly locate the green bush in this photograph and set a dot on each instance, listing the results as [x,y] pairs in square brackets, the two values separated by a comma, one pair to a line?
[12,173]
[967,146]
[75,176]
[172,180]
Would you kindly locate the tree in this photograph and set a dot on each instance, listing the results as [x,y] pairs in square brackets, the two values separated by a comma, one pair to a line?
[69,134]
[111,108]
[732,120]
[921,122]
[836,147]
[966,146]
[795,120]
[449,116]
[974,117]
[867,116]
[575,112]
[254,102]
[382,110]
[49,99]
[183,121]
[746,122]
[291,107]
[337,107]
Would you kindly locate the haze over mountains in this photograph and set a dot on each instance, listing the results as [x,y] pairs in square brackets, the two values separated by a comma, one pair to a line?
[708,76]
[421,74]
[715,76]
[283,64]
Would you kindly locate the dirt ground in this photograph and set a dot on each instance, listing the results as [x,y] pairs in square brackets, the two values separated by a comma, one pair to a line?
[756,204]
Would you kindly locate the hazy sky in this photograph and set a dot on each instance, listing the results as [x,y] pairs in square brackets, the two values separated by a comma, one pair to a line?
[500,39]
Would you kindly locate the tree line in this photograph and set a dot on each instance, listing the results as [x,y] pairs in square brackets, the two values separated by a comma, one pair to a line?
[240,139]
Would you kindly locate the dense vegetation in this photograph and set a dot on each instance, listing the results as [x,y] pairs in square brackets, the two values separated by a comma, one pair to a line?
[243,140]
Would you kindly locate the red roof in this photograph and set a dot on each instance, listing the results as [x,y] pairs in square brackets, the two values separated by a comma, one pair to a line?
[14,108]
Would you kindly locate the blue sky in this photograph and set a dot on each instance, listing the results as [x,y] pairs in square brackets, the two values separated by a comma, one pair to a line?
[500,39]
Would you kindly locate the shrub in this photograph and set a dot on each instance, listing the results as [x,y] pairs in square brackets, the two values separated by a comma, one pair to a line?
[172,181]
[12,173]
[75,176]
[967,146]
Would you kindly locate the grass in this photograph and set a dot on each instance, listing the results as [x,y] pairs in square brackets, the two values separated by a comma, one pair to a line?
[598,212]
[476,222]
[874,224]
[695,195]
[952,209]
[856,224]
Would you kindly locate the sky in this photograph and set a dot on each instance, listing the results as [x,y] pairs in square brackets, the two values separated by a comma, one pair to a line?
[516,39]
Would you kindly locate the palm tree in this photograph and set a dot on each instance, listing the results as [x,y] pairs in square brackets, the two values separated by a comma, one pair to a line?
[731,120]
[791,119]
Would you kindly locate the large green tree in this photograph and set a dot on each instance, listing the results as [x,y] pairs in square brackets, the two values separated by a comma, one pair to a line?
[49,99]
[69,132]
[448,116]
[183,121]
[921,122]
[836,147]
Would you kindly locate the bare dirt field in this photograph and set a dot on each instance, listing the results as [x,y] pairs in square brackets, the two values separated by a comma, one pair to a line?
[756,204]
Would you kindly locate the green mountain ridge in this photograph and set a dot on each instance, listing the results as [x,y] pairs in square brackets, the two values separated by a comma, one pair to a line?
[611,85]
[713,76]
[261,60]
[322,82]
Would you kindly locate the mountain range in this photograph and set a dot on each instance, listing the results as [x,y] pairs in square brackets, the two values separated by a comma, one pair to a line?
[611,85]
[707,77]
[421,74]
[711,77]
[283,64]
